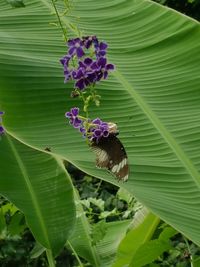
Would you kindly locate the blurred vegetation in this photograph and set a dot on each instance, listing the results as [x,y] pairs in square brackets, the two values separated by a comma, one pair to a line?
[188,7]
[101,202]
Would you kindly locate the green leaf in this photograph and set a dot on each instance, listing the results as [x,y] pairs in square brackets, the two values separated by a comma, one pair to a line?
[9,207]
[37,251]
[98,248]
[153,95]
[196,261]
[152,249]
[106,213]
[98,231]
[39,186]
[97,202]
[17,224]
[135,238]
[2,222]
[80,240]
[124,195]
[149,252]
[107,247]
[167,233]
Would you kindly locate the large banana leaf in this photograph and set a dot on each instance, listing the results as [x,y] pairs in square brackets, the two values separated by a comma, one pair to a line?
[39,186]
[153,95]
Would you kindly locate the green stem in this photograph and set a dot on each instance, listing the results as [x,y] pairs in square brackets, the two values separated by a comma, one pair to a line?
[84,104]
[75,254]
[188,247]
[98,186]
[58,16]
[50,258]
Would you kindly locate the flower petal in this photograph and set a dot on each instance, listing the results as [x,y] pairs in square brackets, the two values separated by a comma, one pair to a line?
[97,121]
[102,62]
[97,133]
[80,84]
[110,67]
[88,61]
[72,50]
[75,111]
[80,52]
[103,46]
[2,130]
[105,74]
[105,133]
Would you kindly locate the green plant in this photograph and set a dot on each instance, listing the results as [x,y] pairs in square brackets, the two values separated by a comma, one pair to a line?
[153,96]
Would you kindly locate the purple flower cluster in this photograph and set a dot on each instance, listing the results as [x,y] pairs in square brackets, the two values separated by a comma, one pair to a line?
[91,129]
[86,61]
[98,129]
[2,130]
[72,115]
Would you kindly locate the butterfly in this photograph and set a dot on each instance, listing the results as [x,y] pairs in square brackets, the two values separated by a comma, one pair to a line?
[111,154]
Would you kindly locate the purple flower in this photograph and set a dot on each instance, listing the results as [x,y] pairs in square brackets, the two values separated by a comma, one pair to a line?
[93,130]
[65,60]
[99,129]
[81,78]
[89,40]
[104,68]
[2,130]
[83,69]
[100,49]
[76,47]
[67,72]
[86,73]
[89,65]
[73,117]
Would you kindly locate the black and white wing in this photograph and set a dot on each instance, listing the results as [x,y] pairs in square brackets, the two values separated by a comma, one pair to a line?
[111,155]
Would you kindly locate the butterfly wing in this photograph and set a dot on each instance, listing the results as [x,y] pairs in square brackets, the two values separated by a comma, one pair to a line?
[110,154]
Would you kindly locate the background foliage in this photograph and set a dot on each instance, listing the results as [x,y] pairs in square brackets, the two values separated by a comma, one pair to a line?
[188,7]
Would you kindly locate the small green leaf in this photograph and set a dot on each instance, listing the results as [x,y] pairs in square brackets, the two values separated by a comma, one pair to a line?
[149,252]
[97,202]
[105,214]
[124,195]
[152,249]
[135,238]
[37,251]
[167,233]
[98,232]
[17,224]
[9,207]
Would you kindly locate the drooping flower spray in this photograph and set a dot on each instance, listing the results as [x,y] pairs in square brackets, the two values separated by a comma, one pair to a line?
[86,65]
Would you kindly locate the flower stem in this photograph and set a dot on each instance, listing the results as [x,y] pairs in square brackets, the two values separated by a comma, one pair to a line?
[58,16]
[85,105]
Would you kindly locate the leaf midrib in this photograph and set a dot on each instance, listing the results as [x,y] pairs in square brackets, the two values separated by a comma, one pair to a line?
[85,227]
[30,189]
[166,135]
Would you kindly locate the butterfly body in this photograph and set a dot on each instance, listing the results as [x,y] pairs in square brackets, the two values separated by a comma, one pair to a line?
[111,155]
